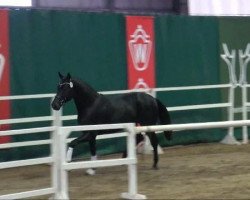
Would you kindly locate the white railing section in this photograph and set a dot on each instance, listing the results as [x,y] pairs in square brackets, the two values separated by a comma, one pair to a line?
[59,185]
[27,119]
[52,159]
[26,131]
[37,161]
[228,105]
[197,106]
[167,89]
[193,126]
[131,160]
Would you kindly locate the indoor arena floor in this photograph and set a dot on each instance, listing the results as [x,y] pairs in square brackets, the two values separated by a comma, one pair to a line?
[204,171]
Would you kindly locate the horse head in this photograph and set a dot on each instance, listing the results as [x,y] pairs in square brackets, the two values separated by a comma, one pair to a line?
[64,91]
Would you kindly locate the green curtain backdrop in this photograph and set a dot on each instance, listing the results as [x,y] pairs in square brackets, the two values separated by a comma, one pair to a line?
[187,54]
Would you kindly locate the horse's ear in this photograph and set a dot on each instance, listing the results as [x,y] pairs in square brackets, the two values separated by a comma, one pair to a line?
[60,75]
[68,76]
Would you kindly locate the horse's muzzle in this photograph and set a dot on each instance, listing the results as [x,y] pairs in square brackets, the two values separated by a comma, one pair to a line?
[57,103]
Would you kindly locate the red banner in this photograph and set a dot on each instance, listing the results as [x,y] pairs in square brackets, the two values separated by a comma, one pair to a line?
[140,51]
[4,71]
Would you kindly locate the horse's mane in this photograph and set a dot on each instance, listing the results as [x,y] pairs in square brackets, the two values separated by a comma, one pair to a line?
[84,86]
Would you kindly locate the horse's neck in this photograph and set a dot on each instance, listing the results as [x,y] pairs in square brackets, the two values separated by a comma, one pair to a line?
[84,97]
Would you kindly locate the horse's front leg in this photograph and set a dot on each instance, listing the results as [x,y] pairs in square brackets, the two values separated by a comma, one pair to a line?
[85,137]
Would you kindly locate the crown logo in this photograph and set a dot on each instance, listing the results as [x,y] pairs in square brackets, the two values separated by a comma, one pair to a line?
[140,48]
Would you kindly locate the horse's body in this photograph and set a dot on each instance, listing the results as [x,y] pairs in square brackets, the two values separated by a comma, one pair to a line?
[94,108]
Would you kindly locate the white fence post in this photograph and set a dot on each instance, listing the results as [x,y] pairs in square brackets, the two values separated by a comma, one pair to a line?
[132,168]
[230,59]
[229,138]
[132,171]
[55,169]
[244,113]
[244,59]
[64,193]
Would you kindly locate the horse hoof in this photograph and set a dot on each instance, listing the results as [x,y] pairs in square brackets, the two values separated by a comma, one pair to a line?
[155,168]
[90,172]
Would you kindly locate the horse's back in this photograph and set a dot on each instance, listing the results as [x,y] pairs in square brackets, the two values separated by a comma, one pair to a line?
[141,107]
[133,107]
[111,109]
[123,108]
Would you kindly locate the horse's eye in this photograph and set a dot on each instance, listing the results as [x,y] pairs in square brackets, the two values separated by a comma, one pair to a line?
[60,86]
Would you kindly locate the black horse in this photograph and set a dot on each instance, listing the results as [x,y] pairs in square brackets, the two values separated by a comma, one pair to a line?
[94,108]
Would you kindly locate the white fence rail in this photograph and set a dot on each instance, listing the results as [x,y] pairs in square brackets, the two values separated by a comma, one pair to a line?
[228,105]
[153,90]
[193,126]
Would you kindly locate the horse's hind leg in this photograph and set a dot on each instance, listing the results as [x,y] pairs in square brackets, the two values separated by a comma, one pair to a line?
[154,142]
[139,138]
[92,146]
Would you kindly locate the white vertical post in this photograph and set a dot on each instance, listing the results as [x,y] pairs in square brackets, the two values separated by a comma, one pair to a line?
[231,109]
[55,168]
[64,194]
[230,139]
[244,113]
[244,58]
[132,168]
[230,59]
[132,171]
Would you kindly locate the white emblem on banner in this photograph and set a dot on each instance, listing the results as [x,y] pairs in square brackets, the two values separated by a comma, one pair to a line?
[141,84]
[140,48]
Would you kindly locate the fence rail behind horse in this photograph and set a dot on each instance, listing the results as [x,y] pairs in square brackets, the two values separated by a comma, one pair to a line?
[228,104]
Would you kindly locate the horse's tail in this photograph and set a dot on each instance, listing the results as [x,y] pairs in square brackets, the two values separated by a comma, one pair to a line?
[164,118]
